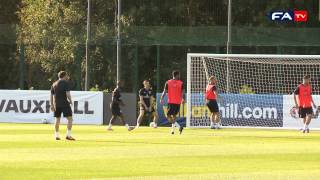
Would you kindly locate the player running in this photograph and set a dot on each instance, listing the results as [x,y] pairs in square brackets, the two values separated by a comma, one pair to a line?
[304,95]
[115,104]
[146,100]
[211,99]
[174,88]
[60,100]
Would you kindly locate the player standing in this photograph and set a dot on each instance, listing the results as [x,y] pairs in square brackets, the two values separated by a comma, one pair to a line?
[146,100]
[115,104]
[304,95]
[60,100]
[174,88]
[211,100]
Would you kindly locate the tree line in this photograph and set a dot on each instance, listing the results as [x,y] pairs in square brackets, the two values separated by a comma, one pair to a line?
[53,34]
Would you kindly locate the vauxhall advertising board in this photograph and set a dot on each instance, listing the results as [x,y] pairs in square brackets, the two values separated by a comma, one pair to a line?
[34,107]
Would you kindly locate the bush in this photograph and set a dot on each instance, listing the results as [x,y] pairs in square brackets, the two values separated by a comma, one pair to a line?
[245,89]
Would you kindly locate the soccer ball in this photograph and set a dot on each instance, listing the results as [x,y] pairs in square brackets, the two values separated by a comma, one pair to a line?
[294,112]
[45,121]
[153,125]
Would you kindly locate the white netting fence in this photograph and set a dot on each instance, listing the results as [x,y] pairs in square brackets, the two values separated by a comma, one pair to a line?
[252,87]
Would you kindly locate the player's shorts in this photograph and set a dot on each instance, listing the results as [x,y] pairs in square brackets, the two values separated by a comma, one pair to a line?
[115,109]
[173,109]
[303,112]
[213,106]
[142,108]
[66,111]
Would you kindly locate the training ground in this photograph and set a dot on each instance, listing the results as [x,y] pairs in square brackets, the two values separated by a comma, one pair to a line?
[29,151]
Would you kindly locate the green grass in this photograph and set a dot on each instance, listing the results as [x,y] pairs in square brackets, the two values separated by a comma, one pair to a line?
[30,152]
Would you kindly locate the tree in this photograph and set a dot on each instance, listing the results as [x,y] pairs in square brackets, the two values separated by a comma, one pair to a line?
[54,33]
[8,62]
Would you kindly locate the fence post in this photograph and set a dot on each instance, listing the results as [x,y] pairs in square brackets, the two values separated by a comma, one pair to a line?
[158,68]
[21,66]
[77,60]
[136,69]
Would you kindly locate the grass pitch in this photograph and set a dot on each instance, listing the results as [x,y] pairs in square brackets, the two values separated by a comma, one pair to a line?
[30,152]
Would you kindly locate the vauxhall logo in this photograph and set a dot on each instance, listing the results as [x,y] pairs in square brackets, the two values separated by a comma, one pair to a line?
[39,106]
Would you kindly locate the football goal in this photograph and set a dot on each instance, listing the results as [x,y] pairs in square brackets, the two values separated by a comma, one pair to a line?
[254,90]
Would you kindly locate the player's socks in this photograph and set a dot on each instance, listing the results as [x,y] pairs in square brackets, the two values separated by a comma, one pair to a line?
[68,136]
[305,127]
[173,126]
[56,135]
[138,125]
[110,127]
[68,133]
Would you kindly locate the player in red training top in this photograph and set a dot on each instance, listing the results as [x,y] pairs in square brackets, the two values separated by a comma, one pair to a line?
[303,100]
[211,100]
[174,88]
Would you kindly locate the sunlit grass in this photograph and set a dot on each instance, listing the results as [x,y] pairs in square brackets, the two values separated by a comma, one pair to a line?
[30,152]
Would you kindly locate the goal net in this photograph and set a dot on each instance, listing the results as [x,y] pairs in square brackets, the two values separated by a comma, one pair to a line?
[254,90]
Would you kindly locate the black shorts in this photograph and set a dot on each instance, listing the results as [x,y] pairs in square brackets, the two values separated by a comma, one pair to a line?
[142,108]
[303,112]
[173,109]
[213,106]
[115,110]
[66,111]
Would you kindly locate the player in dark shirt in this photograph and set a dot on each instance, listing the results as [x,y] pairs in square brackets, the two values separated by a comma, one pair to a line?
[115,104]
[60,100]
[146,97]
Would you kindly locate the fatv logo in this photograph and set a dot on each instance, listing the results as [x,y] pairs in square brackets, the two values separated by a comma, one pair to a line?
[296,16]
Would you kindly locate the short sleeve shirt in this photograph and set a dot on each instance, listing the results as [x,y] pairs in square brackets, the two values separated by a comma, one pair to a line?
[59,90]
[146,94]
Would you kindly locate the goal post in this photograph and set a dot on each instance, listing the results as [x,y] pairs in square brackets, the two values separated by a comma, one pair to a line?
[256,90]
